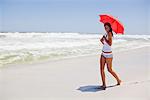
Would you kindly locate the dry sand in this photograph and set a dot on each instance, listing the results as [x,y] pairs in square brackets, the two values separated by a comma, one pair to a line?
[78,79]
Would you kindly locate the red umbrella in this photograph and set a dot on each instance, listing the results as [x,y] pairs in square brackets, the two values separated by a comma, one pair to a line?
[117,27]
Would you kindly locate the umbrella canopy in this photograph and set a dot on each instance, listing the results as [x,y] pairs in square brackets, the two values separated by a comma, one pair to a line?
[117,27]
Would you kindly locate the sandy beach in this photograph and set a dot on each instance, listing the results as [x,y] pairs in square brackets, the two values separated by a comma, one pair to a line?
[51,49]
[78,78]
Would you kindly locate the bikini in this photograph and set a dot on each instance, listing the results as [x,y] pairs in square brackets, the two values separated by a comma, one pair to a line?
[106,50]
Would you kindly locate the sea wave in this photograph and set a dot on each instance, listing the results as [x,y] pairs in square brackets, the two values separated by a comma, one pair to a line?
[31,47]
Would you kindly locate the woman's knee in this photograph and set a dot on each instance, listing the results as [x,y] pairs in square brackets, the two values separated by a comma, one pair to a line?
[110,70]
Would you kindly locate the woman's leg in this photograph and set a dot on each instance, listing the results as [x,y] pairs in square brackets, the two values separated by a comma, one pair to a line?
[102,65]
[109,67]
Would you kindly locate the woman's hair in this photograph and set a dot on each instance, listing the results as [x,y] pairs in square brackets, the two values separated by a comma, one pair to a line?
[108,24]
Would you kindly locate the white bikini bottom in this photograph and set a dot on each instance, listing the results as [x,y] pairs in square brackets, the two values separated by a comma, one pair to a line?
[107,55]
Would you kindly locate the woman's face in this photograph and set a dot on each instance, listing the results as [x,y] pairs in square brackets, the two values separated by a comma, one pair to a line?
[107,28]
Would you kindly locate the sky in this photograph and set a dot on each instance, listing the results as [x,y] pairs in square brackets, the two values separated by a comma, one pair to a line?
[72,15]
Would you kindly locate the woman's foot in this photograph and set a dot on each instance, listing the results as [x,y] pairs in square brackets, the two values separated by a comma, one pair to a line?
[119,82]
[103,87]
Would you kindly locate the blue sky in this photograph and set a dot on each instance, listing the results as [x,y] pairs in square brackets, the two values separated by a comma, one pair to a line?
[72,15]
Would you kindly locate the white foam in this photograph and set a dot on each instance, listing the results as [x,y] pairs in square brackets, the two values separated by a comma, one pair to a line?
[36,46]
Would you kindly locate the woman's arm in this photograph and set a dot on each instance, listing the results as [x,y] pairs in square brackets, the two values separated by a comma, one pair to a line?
[109,41]
[102,40]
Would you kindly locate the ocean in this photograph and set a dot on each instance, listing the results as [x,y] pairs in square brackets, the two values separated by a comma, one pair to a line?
[34,47]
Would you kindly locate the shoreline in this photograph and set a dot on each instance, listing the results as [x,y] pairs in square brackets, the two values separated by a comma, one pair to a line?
[66,58]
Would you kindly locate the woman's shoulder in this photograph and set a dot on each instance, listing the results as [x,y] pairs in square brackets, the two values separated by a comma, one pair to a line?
[110,34]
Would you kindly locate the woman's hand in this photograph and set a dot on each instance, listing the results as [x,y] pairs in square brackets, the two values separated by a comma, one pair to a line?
[109,41]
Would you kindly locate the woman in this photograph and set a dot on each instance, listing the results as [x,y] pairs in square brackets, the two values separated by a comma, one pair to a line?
[107,56]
